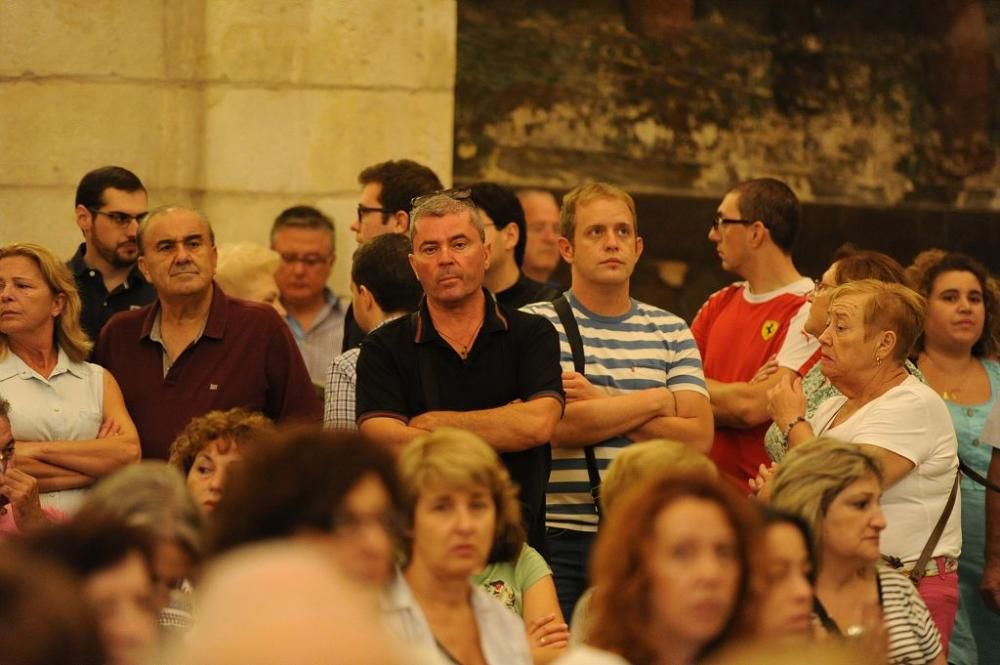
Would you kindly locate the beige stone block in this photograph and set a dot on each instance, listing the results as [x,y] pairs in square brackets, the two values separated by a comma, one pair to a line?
[318,141]
[371,43]
[52,132]
[243,217]
[82,37]
[42,215]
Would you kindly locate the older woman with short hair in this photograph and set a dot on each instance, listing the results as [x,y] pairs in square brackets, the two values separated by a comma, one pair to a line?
[872,328]
[67,415]
[246,270]
[836,487]
[461,513]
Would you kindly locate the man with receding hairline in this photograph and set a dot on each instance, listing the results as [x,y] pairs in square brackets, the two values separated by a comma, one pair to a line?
[195,349]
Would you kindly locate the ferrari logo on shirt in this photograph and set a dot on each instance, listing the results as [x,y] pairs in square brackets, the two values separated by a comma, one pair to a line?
[768,329]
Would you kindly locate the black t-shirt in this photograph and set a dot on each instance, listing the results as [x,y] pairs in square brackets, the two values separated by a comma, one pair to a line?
[405,368]
[353,334]
[526,291]
[98,304]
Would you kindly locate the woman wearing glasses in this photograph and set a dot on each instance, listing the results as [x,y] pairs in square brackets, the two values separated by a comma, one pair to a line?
[67,415]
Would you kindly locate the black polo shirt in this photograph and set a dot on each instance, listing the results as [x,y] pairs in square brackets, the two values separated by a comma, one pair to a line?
[98,304]
[406,368]
[526,291]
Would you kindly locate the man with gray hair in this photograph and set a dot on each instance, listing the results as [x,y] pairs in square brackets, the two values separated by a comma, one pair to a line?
[195,349]
[462,360]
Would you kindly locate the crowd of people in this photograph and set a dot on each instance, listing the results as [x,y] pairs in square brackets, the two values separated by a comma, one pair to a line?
[207,456]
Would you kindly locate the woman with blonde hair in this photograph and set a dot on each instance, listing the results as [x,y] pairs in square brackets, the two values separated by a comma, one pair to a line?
[836,487]
[461,512]
[67,415]
[872,327]
[246,270]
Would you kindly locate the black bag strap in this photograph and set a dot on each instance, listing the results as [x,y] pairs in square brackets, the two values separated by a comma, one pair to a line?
[565,313]
[977,477]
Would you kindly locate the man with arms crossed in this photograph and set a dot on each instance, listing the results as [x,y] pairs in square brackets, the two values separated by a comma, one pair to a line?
[743,325]
[462,360]
[642,378]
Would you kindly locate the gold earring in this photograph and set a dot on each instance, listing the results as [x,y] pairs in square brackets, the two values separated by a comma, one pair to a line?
[878,361]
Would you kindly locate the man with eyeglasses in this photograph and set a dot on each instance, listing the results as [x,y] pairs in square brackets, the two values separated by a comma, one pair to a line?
[305,240]
[110,202]
[387,189]
[195,349]
[740,327]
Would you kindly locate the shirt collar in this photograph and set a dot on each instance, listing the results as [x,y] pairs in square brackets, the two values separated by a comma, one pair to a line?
[494,321]
[79,266]
[332,305]
[11,365]
[215,325]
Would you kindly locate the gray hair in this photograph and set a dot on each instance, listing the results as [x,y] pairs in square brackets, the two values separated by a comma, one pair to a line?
[152,496]
[440,205]
[163,210]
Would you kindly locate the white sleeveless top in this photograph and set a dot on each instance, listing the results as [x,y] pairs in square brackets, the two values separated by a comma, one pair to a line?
[67,406]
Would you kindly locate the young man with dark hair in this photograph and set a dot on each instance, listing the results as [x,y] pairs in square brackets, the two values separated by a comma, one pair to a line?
[387,192]
[305,240]
[743,325]
[383,288]
[110,202]
[503,219]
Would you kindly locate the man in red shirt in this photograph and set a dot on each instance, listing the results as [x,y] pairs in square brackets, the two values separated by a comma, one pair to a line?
[743,325]
[195,349]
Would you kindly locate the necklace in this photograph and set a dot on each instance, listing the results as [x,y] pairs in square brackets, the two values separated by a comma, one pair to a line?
[466,346]
[951,394]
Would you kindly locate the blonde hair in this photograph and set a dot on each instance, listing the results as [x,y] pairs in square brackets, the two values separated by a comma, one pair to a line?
[888,306]
[814,473]
[240,263]
[69,335]
[456,458]
[641,461]
[584,194]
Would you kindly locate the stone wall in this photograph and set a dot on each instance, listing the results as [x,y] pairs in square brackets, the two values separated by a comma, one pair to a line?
[240,107]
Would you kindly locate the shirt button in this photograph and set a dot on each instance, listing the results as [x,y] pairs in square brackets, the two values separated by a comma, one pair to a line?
[92,273]
[976,442]
[105,303]
[56,409]
[969,412]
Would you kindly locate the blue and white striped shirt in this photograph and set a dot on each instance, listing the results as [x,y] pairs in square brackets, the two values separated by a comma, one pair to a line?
[648,347]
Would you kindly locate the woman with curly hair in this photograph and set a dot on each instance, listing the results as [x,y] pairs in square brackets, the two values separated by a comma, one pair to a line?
[670,572]
[957,354]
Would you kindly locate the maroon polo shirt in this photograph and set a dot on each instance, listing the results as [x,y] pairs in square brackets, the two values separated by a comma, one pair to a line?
[246,357]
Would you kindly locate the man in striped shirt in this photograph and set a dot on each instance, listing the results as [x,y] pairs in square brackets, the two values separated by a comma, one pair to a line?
[642,376]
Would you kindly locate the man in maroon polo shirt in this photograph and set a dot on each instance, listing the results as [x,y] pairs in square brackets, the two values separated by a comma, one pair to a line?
[195,349]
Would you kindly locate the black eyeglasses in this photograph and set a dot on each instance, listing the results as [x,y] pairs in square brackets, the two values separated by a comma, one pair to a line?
[119,218]
[720,221]
[364,210]
[458,194]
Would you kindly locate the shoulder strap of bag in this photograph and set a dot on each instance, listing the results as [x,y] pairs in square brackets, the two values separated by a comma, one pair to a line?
[977,477]
[919,568]
[569,324]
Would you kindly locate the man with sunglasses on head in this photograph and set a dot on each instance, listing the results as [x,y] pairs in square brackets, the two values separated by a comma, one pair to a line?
[742,326]
[463,360]
[304,238]
[387,190]
[110,201]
